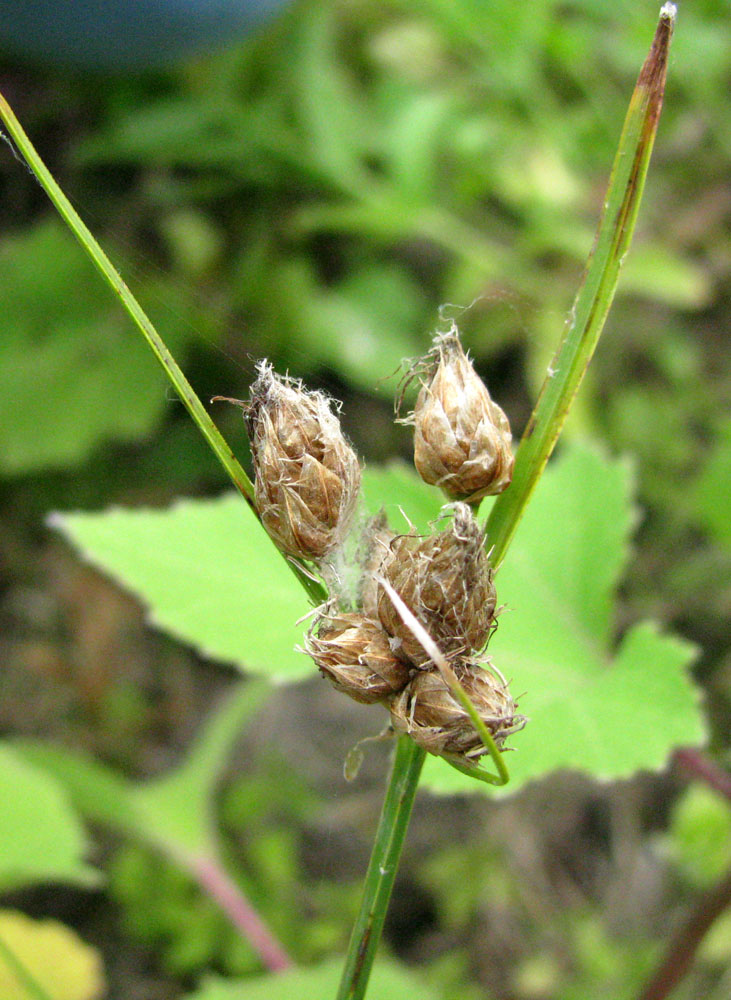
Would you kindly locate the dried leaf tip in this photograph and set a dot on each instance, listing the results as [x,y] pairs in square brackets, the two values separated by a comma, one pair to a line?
[462,440]
[654,70]
[307,476]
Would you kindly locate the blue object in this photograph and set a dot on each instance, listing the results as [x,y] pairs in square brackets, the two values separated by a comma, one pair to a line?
[114,34]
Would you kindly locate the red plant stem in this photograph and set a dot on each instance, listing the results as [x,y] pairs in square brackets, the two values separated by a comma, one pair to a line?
[684,943]
[217,884]
[702,767]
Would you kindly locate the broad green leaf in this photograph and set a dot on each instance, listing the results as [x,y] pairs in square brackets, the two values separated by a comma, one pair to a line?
[210,576]
[62,965]
[72,372]
[41,839]
[590,708]
[388,981]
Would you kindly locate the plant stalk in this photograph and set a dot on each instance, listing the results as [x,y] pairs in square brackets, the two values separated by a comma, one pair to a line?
[365,936]
[576,347]
[687,939]
[596,291]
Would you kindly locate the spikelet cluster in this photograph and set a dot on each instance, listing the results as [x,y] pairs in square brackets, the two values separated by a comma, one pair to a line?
[307,481]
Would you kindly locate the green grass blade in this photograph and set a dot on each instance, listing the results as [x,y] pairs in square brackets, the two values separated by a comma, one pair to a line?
[592,302]
[134,310]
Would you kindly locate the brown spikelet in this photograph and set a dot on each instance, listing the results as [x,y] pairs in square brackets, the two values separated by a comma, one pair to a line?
[426,710]
[307,476]
[445,579]
[462,440]
[376,545]
[354,653]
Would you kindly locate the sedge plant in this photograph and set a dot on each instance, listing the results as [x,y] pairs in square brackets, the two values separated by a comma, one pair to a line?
[482,731]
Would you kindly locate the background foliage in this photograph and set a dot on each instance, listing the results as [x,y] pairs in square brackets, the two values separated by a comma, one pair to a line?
[317,194]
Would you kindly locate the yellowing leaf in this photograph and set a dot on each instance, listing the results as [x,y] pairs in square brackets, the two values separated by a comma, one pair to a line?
[62,965]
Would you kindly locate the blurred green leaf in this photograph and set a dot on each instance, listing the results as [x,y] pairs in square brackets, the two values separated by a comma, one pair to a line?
[41,839]
[176,809]
[72,372]
[713,489]
[388,981]
[94,789]
[63,966]
[700,834]
[173,811]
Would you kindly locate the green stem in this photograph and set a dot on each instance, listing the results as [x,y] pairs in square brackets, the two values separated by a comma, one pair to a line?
[135,311]
[392,826]
[575,349]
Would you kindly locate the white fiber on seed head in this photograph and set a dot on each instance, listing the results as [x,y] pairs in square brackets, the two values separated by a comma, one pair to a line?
[669,10]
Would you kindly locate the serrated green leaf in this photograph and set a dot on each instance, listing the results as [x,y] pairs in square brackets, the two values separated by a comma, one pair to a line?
[41,839]
[210,576]
[388,981]
[201,562]
[589,708]
[72,374]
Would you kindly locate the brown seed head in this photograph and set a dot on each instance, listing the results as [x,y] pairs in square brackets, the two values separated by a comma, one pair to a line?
[461,437]
[307,475]
[354,653]
[426,710]
[445,579]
